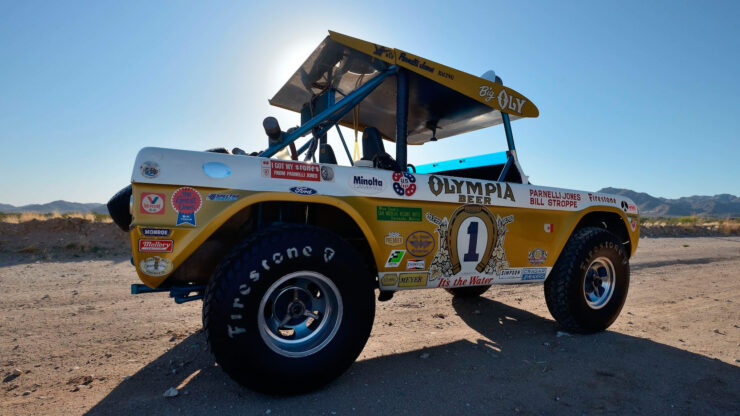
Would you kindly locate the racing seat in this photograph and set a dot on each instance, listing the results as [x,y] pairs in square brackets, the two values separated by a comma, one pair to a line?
[326,154]
[373,149]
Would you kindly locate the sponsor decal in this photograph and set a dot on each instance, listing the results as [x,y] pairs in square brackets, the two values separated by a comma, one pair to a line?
[149,169]
[470,192]
[505,102]
[471,241]
[537,256]
[367,184]
[625,206]
[394,258]
[404,183]
[633,223]
[393,239]
[415,264]
[534,273]
[415,62]
[390,279]
[186,201]
[327,173]
[465,281]
[387,53]
[632,208]
[554,199]
[283,169]
[222,197]
[155,246]
[548,228]
[420,243]
[152,203]
[601,198]
[155,266]
[510,274]
[398,214]
[412,279]
[156,232]
[303,190]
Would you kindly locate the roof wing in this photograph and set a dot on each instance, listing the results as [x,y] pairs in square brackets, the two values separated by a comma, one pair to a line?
[443,101]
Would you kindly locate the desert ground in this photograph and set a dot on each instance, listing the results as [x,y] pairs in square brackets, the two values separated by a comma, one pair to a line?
[74,341]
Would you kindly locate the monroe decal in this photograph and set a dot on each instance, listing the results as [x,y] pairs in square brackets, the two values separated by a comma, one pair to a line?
[471,192]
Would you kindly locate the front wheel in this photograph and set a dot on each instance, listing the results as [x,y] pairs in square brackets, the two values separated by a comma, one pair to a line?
[588,285]
[289,309]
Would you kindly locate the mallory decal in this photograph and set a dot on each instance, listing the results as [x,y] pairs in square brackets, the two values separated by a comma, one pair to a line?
[470,242]
[155,246]
[186,202]
[470,192]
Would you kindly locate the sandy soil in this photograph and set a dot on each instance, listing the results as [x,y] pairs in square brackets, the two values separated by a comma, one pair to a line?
[83,344]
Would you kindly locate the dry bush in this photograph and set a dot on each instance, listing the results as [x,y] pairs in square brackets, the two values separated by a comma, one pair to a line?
[17,218]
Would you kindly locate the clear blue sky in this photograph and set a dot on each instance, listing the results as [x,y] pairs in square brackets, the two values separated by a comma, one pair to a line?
[640,95]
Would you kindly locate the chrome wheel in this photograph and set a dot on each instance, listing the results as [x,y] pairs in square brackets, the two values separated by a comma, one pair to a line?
[300,314]
[598,283]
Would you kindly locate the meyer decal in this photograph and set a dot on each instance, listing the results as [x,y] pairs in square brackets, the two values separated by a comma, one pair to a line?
[398,214]
[302,190]
[420,243]
[155,232]
[404,183]
[222,197]
[186,201]
[394,258]
[393,239]
[155,266]
[415,264]
[556,199]
[472,241]
[367,184]
[534,273]
[152,203]
[155,246]
[390,279]
[470,192]
[412,279]
[150,169]
[283,169]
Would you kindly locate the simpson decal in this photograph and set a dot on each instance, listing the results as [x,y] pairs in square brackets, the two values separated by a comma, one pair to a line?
[186,202]
[152,203]
[472,241]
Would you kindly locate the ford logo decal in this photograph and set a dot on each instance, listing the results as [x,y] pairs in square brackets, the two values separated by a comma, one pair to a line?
[303,190]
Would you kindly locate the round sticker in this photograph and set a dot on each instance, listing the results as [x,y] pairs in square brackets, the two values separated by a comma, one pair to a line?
[150,169]
[155,266]
[403,183]
[186,202]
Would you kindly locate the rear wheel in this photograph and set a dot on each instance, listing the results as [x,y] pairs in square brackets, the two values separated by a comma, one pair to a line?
[468,292]
[588,285]
[289,309]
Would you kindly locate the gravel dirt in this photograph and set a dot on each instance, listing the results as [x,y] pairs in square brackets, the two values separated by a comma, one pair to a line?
[74,341]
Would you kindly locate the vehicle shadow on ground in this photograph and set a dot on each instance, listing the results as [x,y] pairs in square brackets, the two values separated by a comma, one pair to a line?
[519,365]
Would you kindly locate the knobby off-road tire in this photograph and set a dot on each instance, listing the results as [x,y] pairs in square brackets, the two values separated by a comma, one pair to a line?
[289,309]
[588,285]
[468,292]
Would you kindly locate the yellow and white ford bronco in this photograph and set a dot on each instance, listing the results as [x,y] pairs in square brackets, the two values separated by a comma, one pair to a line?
[287,254]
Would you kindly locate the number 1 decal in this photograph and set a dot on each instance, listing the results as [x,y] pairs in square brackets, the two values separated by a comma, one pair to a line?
[472,255]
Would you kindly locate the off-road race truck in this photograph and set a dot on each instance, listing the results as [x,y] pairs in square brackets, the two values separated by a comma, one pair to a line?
[287,255]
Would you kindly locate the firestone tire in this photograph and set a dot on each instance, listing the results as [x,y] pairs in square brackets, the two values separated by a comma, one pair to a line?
[468,292]
[588,285]
[289,309]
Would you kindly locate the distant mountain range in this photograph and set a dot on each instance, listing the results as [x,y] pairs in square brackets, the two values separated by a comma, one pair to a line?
[718,206]
[61,207]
